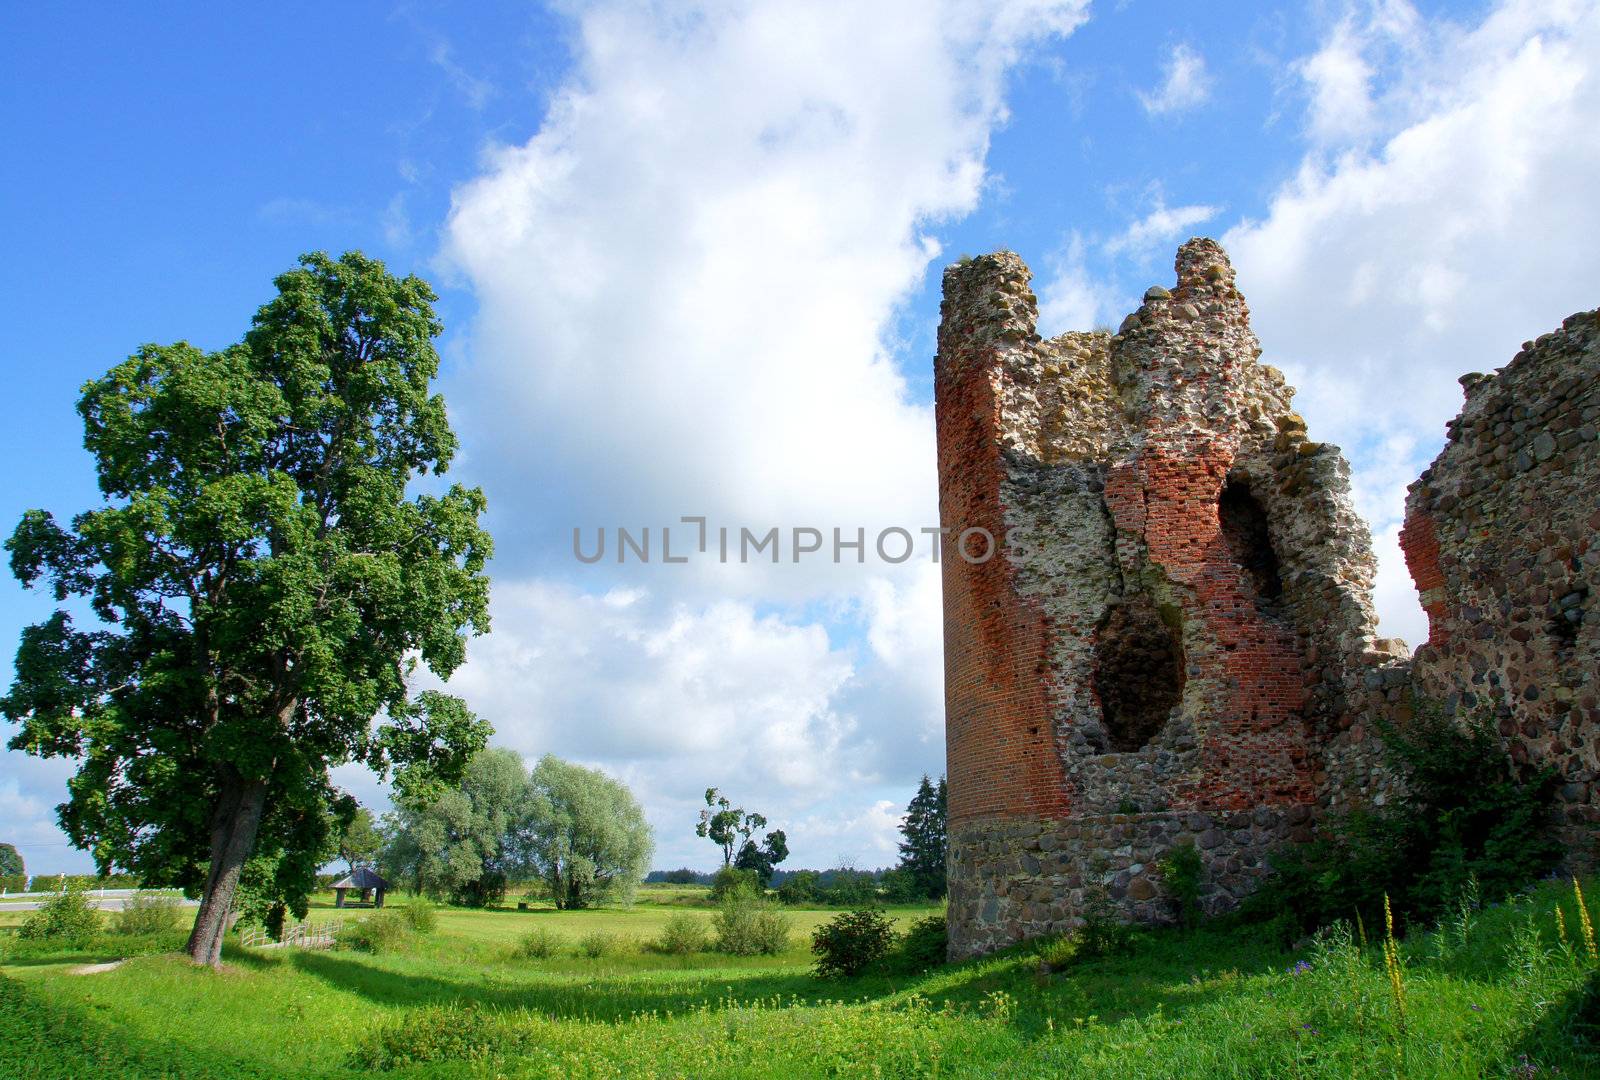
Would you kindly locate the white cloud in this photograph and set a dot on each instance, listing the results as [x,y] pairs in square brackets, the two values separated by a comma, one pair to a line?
[1072,298]
[1443,214]
[1185,83]
[1158,228]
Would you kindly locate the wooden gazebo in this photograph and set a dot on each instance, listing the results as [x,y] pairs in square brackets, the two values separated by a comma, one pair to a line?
[363,880]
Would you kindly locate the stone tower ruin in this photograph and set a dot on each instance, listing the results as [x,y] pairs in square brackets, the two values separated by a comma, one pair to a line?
[1171,635]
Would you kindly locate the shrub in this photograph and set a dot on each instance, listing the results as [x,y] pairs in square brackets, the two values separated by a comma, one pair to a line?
[852,942]
[433,1033]
[147,913]
[732,881]
[1102,933]
[800,887]
[66,919]
[746,926]
[383,931]
[1055,951]
[421,916]
[683,934]
[1180,871]
[851,888]
[1465,813]
[683,876]
[923,947]
[598,943]
[537,944]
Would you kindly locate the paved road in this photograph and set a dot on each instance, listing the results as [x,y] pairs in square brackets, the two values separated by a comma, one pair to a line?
[104,903]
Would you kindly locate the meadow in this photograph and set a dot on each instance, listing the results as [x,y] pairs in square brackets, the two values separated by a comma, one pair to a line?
[1493,993]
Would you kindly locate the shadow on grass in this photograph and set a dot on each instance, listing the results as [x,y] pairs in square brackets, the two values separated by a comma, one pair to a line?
[1565,1041]
[50,1040]
[573,996]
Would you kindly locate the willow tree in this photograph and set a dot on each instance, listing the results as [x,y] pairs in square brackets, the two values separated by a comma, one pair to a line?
[265,581]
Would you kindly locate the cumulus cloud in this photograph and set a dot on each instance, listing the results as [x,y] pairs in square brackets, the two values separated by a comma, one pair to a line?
[1159,228]
[1443,213]
[687,282]
[1185,83]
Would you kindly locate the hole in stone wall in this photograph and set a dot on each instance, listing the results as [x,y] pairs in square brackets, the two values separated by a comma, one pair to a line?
[1138,672]
[1244,530]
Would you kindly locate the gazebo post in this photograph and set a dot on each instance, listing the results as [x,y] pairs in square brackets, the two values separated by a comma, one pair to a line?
[338,898]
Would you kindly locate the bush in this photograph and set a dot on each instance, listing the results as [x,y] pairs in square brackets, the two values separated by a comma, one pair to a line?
[731,881]
[1180,871]
[1102,933]
[13,883]
[433,1033]
[683,876]
[537,944]
[746,926]
[421,916]
[147,913]
[65,919]
[851,888]
[800,887]
[1055,951]
[384,931]
[684,934]
[485,891]
[923,947]
[598,943]
[852,942]
[1466,813]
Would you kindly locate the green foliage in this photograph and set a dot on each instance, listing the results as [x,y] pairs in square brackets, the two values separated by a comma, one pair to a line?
[461,844]
[851,942]
[431,1034]
[684,934]
[360,842]
[747,926]
[13,883]
[598,943]
[1180,870]
[1055,951]
[380,932]
[585,833]
[851,888]
[264,585]
[1466,814]
[11,864]
[65,919]
[420,915]
[1102,934]
[800,887]
[147,913]
[727,825]
[922,852]
[923,947]
[681,876]
[732,881]
[540,943]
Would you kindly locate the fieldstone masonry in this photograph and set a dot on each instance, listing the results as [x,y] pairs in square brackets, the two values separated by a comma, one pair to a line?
[1174,640]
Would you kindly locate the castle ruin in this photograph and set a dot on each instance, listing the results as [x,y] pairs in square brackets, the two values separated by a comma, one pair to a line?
[1174,638]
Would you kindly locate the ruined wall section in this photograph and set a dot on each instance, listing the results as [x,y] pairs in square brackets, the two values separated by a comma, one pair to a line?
[1184,571]
[1502,537]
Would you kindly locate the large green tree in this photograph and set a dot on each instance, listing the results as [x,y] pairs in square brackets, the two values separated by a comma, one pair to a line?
[265,580]
[922,852]
[11,864]
[360,842]
[463,844]
[586,834]
[731,827]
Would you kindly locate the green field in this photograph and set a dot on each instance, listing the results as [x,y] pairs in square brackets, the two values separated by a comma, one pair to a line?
[1495,1000]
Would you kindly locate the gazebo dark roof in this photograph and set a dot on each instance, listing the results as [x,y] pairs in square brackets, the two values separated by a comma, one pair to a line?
[361,878]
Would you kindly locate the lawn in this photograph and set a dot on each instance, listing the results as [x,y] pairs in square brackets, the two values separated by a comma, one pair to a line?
[1496,998]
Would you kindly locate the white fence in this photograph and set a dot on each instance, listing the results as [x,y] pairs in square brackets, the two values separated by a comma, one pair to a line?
[301,935]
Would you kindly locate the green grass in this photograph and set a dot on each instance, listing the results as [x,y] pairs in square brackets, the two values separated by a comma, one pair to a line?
[1215,1002]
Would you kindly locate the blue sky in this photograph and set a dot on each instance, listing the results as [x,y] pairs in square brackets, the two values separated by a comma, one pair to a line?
[688,261]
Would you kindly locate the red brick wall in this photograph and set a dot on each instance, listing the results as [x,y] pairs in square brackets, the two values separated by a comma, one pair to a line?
[1000,745]
[1420,542]
[1254,747]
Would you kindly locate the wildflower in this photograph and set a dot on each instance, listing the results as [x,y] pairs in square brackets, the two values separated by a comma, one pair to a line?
[1391,964]
[1583,921]
[1561,926]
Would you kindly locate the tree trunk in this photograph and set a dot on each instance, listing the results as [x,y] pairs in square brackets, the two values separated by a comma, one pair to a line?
[233,836]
